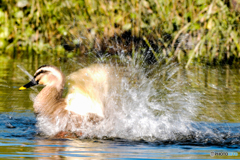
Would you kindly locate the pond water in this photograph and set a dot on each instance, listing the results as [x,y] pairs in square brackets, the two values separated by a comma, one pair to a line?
[160,112]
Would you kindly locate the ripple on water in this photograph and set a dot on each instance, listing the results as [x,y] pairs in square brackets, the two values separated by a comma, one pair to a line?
[17,125]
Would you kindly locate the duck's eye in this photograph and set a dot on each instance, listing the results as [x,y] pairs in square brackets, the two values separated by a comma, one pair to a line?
[37,81]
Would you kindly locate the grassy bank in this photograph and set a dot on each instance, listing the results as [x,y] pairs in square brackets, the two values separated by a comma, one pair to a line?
[186,31]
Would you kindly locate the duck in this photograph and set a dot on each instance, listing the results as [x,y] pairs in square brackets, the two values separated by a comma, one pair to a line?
[59,116]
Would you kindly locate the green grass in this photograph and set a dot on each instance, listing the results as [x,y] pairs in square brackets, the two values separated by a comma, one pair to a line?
[186,31]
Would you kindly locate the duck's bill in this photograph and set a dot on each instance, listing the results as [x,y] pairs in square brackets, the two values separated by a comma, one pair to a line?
[22,88]
[28,85]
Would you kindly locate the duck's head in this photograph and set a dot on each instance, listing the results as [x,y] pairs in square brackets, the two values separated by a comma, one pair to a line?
[46,75]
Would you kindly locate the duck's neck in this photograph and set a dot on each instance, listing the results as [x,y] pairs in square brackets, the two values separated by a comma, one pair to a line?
[48,99]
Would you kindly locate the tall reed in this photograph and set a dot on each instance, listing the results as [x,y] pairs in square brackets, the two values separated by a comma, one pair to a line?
[186,31]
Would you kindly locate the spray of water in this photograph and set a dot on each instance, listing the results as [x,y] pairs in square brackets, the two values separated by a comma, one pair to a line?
[146,104]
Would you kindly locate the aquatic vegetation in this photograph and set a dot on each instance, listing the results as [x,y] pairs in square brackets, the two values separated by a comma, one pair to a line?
[184,31]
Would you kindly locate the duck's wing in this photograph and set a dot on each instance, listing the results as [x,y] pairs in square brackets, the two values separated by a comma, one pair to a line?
[88,89]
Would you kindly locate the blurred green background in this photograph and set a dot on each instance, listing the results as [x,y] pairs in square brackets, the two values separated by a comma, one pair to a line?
[186,31]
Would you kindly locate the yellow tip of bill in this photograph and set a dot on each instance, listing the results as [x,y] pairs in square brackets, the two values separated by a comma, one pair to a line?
[22,88]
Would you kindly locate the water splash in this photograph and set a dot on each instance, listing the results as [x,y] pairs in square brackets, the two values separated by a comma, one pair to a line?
[159,105]
[143,106]
[30,77]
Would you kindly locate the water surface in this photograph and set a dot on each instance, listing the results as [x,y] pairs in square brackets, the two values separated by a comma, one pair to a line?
[159,112]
